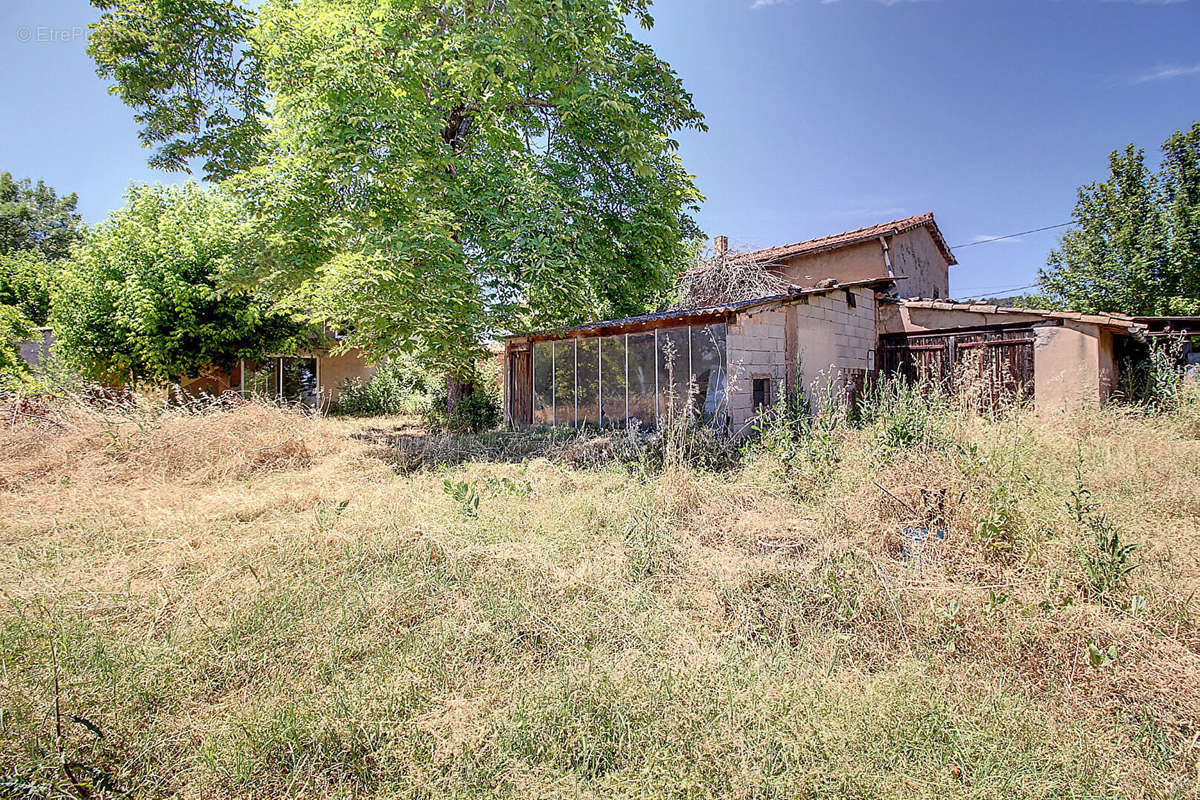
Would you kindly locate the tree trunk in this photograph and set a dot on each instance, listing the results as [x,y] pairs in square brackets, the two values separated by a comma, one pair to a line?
[457,390]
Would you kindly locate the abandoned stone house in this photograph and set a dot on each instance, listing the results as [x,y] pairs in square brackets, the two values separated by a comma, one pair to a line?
[855,303]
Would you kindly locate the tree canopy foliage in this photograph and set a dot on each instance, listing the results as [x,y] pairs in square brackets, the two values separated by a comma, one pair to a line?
[34,217]
[144,298]
[37,229]
[1135,247]
[425,174]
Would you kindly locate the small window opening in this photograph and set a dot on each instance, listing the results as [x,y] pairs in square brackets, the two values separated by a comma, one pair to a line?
[850,301]
[761,394]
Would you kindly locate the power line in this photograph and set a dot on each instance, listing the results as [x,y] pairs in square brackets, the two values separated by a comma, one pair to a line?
[1011,235]
[996,291]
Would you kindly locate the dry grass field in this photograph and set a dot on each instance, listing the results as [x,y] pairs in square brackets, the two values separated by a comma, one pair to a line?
[247,602]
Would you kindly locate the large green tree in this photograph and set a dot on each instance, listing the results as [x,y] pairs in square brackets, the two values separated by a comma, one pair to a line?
[1180,179]
[145,298]
[426,173]
[34,217]
[1135,245]
[37,229]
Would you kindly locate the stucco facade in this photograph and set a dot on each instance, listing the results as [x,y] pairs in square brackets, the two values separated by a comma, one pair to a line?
[918,261]
[1075,366]
[334,370]
[853,262]
[911,250]
[913,257]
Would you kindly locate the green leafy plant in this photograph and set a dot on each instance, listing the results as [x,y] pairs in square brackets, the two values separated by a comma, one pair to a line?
[996,530]
[1154,376]
[993,602]
[904,414]
[505,485]
[147,297]
[807,445]
[1133,246]
[1100,657]
[464,495]
[477,411]
[1107,563]
[421,173]
[1080,506]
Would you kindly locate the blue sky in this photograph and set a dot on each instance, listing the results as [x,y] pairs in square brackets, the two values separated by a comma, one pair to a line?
[823,116]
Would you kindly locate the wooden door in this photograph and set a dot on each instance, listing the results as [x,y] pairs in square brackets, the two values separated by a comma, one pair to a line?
[520,388]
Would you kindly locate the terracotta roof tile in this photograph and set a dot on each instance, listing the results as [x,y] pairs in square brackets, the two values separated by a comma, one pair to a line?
[837,240]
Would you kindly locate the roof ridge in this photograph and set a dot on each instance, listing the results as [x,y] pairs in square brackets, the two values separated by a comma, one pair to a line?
[891,223]
[857,235]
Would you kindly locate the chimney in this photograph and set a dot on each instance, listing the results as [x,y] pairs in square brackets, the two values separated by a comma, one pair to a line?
[720,246]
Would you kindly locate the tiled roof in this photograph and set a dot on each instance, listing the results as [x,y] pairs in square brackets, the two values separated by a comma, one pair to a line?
[1111,320]
[784,251]
[683,314]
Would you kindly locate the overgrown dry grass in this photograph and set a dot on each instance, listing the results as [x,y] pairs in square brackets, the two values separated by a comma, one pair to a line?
[249,602]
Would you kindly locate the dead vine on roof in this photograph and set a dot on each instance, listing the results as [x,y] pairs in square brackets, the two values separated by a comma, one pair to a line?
[727,278]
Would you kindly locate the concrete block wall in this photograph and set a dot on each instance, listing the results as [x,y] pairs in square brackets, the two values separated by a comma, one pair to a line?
[756,349]
[829,337]
[832,337]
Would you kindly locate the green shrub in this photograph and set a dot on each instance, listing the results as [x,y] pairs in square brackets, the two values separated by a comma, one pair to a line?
[1155,377]
[806,444]
[905,415]
[399,386]
[477,412]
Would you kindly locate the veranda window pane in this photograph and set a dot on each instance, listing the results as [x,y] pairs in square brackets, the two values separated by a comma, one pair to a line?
[612,379]
[564,382]
[261,379]
[673,354]
[709,370]
[588,361]
[641,379]
[299,380]
[543,386]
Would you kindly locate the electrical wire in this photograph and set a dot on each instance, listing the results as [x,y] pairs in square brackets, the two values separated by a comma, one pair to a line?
[997,291]
[1012,235]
